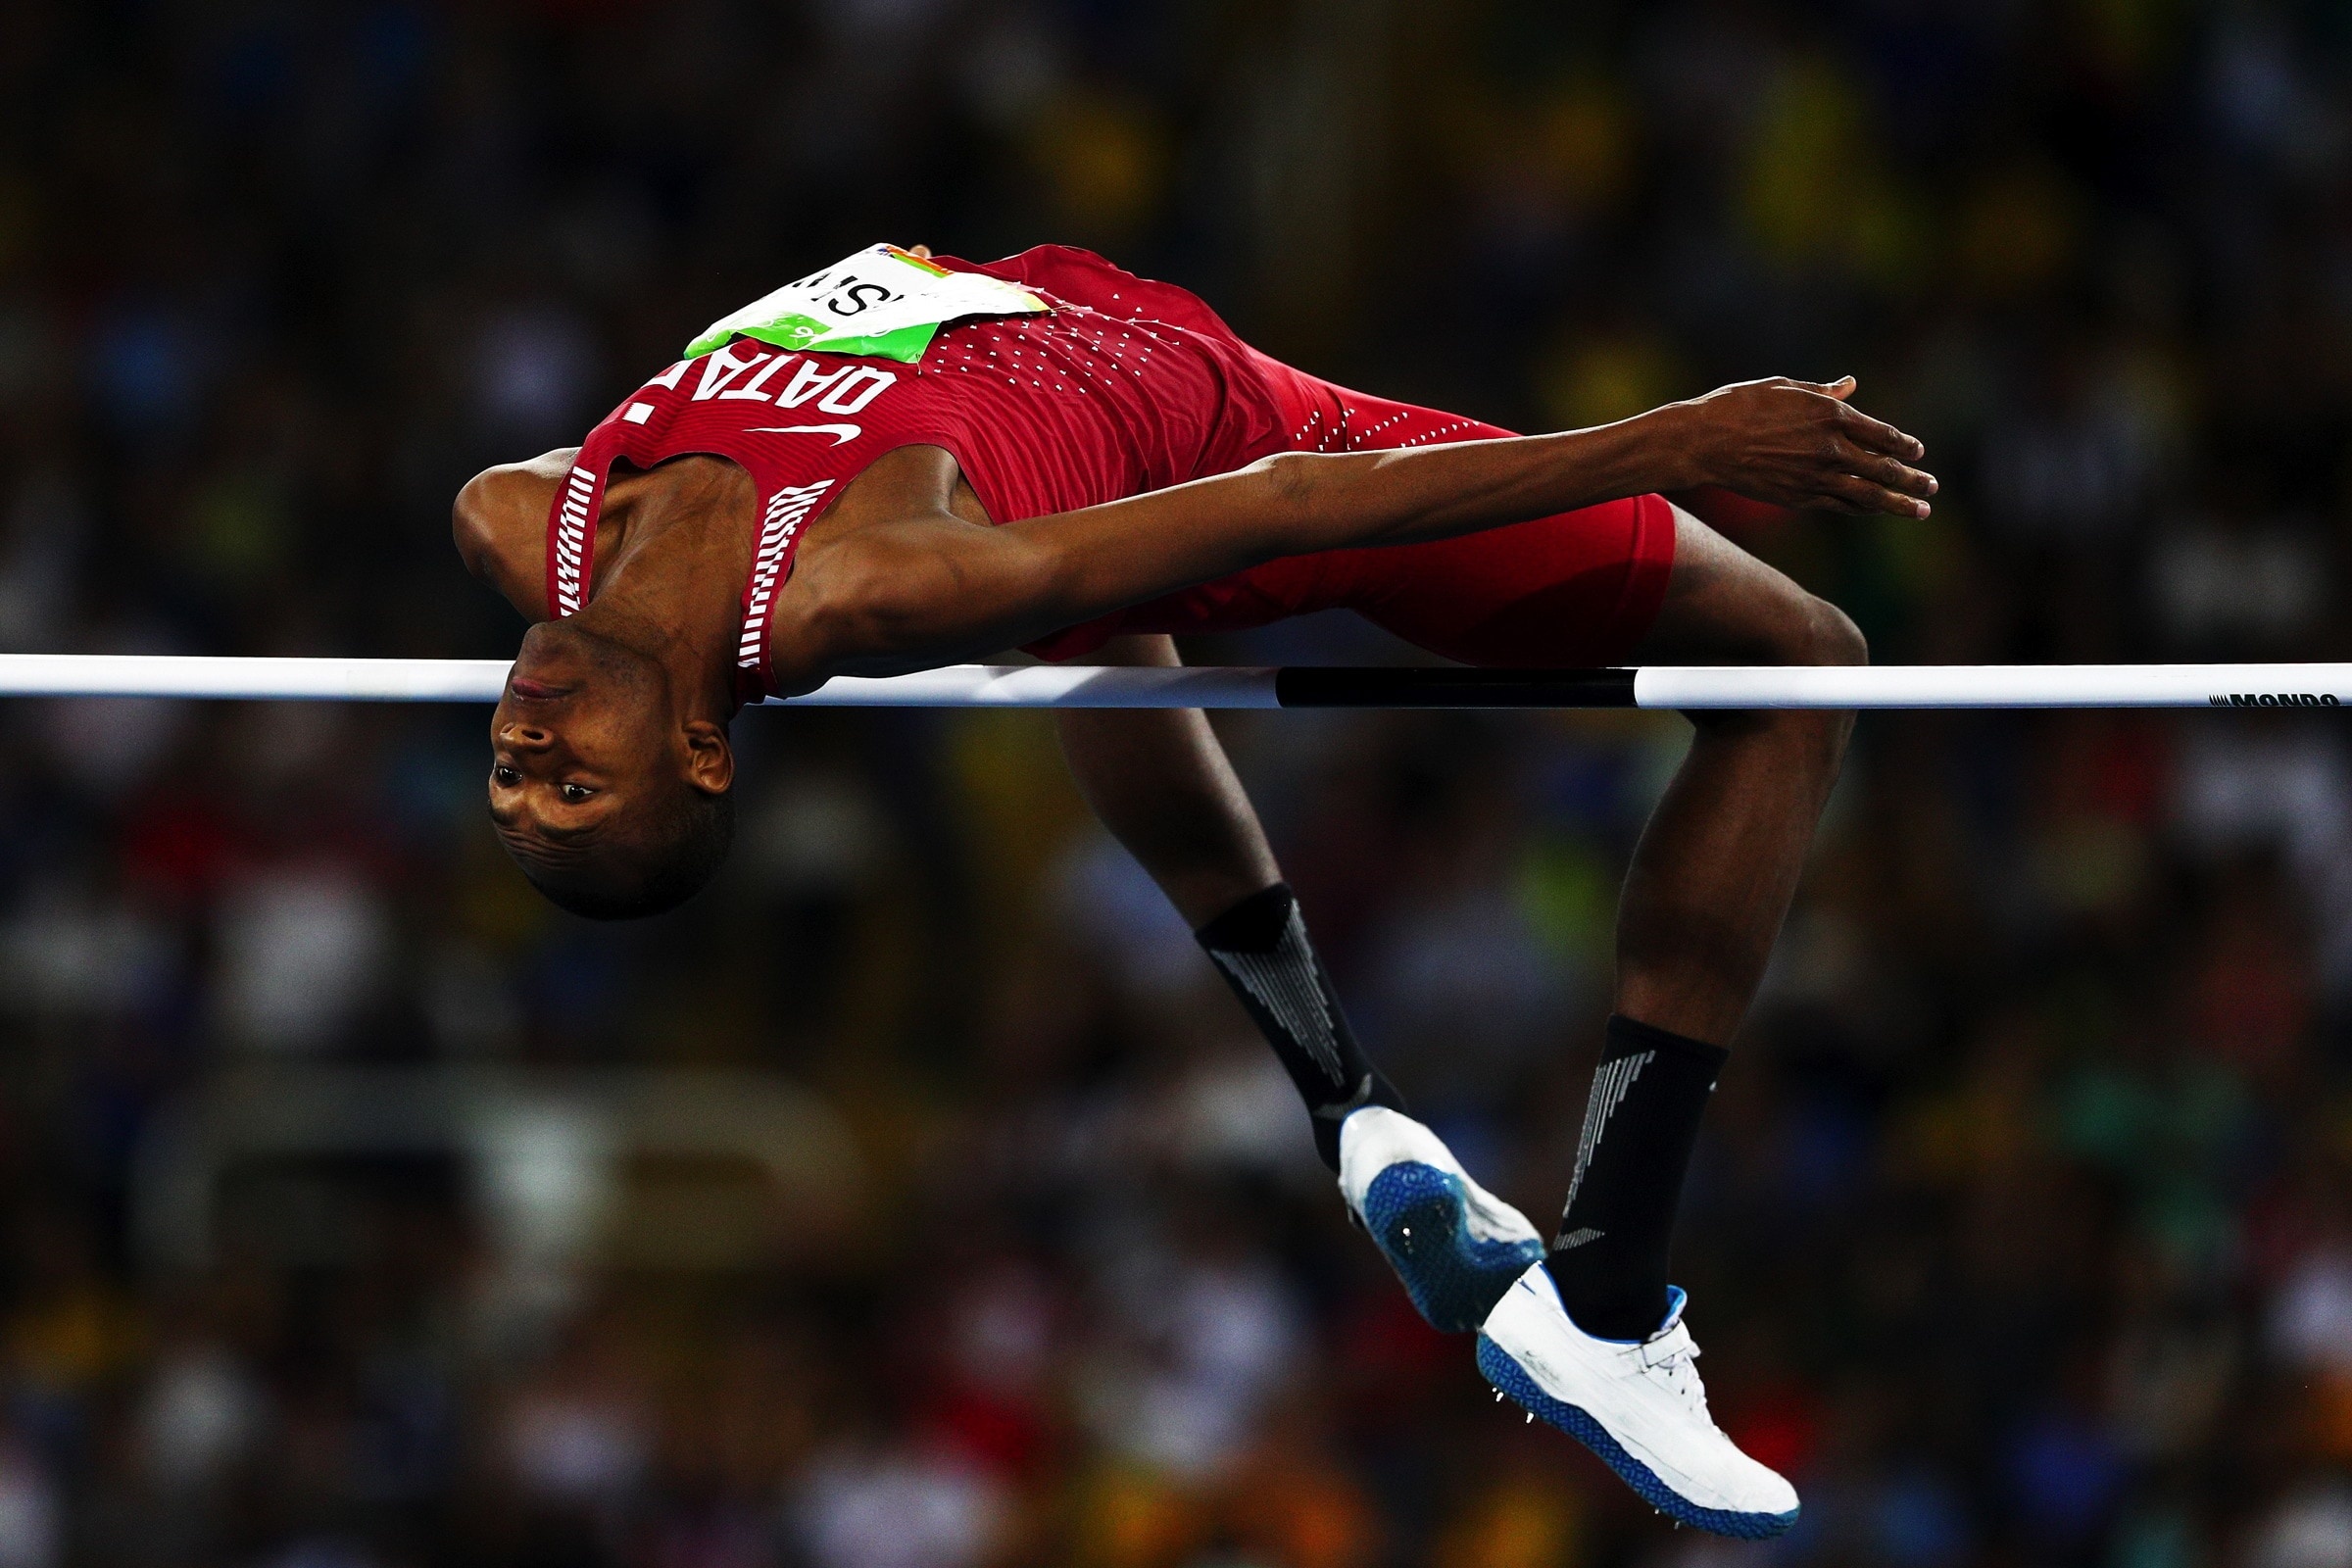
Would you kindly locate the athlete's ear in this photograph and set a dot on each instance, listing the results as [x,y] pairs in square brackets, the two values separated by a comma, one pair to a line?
[710,759]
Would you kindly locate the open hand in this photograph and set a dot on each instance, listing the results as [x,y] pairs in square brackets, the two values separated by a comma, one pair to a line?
[1802,444]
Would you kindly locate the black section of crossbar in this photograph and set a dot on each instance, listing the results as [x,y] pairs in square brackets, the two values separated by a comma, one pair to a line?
[1328,686]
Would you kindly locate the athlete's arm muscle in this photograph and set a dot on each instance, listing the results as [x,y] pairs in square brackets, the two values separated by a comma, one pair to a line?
[892,578]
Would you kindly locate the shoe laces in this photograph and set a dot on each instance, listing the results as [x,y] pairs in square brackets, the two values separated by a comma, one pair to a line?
[1672,1356]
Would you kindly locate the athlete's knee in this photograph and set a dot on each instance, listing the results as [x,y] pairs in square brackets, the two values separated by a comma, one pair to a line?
[1818,632]
[1796,627]
[1824,634]
[1802,628]
[1723,605]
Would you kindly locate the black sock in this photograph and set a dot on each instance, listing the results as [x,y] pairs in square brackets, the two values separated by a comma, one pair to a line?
[1609,1258]
[1260,948]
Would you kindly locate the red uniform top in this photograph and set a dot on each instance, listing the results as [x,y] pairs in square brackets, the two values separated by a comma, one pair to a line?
[1126,387]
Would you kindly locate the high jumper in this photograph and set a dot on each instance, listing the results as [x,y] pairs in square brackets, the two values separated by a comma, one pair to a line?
[905,460]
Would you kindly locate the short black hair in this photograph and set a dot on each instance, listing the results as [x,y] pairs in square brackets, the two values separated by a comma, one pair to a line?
[674,853]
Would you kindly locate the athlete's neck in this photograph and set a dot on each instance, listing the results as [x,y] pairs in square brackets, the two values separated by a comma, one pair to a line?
[673,549]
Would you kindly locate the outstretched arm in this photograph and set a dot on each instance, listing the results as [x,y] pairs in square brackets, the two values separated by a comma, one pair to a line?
[884,584]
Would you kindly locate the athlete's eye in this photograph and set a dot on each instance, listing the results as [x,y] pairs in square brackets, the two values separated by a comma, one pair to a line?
[574,794]
[508,777]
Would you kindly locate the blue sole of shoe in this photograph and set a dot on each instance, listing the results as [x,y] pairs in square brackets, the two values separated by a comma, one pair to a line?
[1416,1215]
[1511,1380]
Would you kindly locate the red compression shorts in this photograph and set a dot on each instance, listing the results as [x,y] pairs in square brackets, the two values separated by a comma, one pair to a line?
[1576,588]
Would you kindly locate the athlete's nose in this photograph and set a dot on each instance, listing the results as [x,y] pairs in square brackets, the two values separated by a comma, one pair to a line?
[526,737]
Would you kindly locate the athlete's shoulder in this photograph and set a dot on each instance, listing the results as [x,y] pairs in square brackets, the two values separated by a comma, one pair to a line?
[499,525]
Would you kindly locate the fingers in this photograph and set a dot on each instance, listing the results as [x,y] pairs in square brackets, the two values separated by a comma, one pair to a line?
[1844,461]
[1856,496]
[1887,474]
[1877,435]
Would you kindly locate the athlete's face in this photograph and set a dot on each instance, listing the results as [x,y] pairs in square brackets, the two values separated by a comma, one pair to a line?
[581,740]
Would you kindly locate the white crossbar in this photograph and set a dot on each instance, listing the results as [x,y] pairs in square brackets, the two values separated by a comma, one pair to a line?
[1995,686]
[1918,686]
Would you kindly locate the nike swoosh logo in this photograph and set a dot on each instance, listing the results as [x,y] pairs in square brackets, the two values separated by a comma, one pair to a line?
[839,432]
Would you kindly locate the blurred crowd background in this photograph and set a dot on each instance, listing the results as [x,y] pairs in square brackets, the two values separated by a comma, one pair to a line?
[916,1198]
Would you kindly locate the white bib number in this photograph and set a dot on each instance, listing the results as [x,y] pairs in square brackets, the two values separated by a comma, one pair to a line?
[882,302]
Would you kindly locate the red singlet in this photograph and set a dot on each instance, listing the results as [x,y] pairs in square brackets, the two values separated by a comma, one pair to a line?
[1126,387]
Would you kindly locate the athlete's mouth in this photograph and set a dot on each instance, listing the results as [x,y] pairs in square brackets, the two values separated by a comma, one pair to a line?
[537,691]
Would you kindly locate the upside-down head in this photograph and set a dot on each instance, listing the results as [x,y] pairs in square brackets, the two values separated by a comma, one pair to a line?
[613,801]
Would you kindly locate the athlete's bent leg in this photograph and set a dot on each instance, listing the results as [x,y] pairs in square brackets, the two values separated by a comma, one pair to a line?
[1593,1341]
[1709,886]
[1716,868]
[1161,784]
